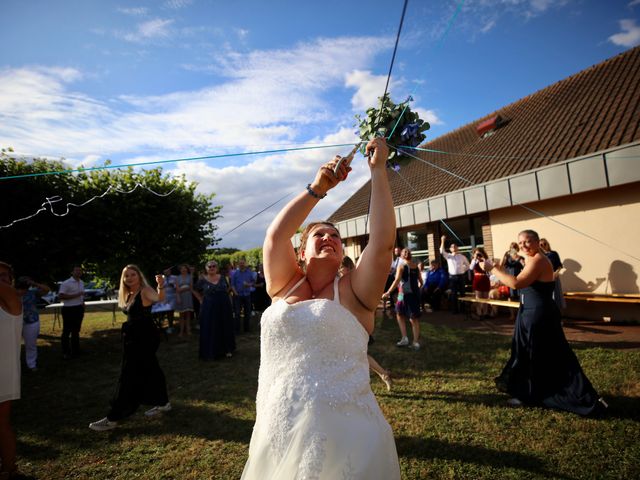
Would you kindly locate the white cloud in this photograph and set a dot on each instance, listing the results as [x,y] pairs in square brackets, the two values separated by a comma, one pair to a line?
[241,33]
[241,190]
[542,5]
[177,4]
[630,35]
[269,97]
[488,26]
[133,11]
[368,88]
[634,3]
[155,29]
[482,16]
[428,116]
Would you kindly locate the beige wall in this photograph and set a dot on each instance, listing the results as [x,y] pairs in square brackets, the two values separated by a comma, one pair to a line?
[352,249]
[611,216]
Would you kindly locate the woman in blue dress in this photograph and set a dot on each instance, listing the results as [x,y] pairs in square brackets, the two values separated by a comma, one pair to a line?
[542,369]
[217,337]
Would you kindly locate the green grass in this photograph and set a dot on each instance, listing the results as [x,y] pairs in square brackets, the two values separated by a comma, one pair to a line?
[447,418]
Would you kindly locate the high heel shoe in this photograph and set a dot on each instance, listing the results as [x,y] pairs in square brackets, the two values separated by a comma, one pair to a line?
[386,378]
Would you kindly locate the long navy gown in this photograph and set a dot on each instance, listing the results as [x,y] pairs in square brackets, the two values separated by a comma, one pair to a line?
[543,370]
[217,337]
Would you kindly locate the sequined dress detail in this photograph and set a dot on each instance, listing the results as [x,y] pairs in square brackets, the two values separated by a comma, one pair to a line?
[316,416]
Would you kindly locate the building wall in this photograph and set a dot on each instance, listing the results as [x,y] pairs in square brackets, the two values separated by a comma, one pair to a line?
[610,215]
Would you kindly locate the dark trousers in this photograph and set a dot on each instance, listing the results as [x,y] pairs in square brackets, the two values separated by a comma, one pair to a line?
[71,323]
[456,285]
[242,303]
[432,295]
[394,295]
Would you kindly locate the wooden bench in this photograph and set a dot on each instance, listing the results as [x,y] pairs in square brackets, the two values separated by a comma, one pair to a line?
[598,300]
[496,303]
[603,297]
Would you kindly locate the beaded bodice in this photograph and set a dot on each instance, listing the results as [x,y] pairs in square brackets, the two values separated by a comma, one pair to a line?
[311,351]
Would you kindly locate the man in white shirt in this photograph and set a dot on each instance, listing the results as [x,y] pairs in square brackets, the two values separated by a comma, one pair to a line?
[458,267]
[72,295]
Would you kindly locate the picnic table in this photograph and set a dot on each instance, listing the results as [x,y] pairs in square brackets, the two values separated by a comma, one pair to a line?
[96,305]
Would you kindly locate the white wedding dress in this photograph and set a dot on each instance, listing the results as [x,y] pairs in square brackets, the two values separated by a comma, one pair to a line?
[316,416]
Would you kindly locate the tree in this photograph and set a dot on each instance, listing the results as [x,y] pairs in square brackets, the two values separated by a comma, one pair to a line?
[159,223]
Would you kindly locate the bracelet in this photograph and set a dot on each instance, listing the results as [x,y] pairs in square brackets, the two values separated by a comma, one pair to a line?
[314,194]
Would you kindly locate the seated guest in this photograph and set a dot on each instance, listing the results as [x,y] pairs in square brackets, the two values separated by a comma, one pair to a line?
[498,291]
[434,286]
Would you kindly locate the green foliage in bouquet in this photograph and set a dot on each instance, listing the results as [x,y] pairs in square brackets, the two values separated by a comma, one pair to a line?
[381,121]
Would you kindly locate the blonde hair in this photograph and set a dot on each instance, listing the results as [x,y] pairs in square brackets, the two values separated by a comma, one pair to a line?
[545,246]
[122,295]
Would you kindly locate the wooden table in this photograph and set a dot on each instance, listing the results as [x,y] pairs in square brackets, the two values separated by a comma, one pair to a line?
[97,305]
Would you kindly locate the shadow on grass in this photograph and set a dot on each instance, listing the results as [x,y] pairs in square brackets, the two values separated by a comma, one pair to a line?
[431,449]
[63,396]
[489,400]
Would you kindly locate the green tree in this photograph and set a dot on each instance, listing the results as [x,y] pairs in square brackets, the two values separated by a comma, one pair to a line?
[128,224]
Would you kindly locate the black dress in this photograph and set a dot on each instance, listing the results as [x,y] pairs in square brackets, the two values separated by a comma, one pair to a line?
[260,297]
[543,370]
[141,379]
[217,336]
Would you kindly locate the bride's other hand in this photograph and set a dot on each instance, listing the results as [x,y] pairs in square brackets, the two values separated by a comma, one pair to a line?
[377,151]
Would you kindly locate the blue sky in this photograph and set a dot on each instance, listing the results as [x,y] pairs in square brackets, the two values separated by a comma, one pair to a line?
[135,81]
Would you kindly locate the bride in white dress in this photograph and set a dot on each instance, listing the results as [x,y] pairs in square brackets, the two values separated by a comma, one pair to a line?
[316,416]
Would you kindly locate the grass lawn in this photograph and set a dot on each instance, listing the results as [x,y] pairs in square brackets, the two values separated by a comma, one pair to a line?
[447,418]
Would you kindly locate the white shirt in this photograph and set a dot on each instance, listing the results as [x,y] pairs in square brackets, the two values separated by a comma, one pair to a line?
[394,265]
[457,263]
[71,286]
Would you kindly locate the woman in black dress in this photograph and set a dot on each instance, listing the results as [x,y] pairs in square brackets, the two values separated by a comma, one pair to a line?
[141,379]
[542,370]
[217,337]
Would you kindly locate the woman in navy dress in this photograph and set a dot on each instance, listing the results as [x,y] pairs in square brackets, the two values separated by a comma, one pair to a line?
[542,369]
[217,337]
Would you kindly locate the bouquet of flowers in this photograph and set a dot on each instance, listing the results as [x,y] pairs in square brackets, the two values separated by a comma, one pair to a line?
[402,127]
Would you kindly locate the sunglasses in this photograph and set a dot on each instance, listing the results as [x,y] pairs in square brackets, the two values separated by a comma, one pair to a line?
[212,265]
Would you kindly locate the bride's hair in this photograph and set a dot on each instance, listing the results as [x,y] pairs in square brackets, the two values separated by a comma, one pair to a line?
[305,235]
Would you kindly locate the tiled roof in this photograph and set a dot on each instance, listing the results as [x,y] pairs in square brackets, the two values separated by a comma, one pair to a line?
[591,111]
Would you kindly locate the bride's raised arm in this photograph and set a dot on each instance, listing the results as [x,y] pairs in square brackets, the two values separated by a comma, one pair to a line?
[369,277]
[279,258]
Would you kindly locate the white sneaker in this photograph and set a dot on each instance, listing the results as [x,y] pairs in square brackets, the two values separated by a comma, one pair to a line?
[514,402]
[102,425]
[404,342]
[158,409]
[415,346]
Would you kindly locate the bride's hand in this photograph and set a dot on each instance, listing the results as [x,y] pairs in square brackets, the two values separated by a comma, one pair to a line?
[326,179]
